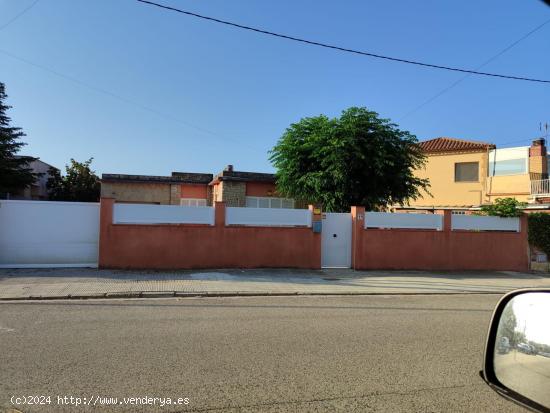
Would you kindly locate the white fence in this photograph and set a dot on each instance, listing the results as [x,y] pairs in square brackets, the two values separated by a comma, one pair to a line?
[161,214]
[272,217]
[482,223]
[48,234]
[409,221]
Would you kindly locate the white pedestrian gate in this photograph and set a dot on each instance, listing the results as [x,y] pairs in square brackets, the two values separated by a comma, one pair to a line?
[336,240]
[48,234]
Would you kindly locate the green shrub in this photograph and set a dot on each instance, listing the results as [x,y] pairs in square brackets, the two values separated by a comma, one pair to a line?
[504,207]
[539,231]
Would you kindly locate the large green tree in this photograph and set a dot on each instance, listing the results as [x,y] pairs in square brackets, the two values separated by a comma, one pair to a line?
[356,159]
[79,183]
[15,173]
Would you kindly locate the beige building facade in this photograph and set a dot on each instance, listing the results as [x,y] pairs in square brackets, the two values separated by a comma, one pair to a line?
[468,174]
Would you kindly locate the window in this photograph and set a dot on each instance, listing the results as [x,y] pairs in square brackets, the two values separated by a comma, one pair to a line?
[467,172]
[509,161]
[251,202]
[276,203]
[263,202]
[508,167]
[288,203]
[266,202]
[193,202]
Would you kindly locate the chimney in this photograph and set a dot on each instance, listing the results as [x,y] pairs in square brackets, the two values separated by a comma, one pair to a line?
[538,147]
[538,161]
[228,168]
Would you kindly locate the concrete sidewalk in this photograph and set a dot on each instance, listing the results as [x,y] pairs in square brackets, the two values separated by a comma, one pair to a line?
[82,282]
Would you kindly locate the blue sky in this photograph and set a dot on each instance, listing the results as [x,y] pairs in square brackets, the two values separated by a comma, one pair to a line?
[145,91]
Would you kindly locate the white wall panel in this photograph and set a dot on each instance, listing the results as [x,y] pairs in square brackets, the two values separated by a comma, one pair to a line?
[481,223]
[268,217]
[412,221]
[48,234]
[162,214]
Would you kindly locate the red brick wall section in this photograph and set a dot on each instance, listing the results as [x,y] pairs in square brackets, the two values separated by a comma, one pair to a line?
[197,191]
[261,189]
[385,249]
[203,246]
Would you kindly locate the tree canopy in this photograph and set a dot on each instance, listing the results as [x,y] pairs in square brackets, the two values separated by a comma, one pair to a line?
[504,207]
[356,159]
[79,183]
[15,173]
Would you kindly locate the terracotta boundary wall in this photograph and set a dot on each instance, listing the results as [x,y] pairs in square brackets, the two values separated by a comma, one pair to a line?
[188,246]
[406,249]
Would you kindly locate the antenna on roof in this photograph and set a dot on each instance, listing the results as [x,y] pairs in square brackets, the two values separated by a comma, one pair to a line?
[544,129]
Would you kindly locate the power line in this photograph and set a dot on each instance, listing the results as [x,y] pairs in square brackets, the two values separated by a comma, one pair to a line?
[521,140]
[455,83]
[339,48]
[125,100]
[22,12]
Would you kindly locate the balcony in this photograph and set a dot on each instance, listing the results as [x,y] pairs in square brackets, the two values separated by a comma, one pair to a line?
[540,187]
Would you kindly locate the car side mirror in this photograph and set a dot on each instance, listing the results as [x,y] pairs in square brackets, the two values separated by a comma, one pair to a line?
[517,353]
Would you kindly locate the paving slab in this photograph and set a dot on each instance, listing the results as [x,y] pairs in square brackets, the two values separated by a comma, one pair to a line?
[83,282]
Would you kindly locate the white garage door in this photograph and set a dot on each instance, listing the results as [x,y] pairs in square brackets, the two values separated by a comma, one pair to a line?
[48,234]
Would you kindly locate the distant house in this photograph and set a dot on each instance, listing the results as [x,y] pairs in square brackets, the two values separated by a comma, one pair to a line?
[467,174]
[235,188]
[38,190]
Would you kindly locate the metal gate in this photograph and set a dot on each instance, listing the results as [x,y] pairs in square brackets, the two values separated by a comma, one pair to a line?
[336,240]
[36,234]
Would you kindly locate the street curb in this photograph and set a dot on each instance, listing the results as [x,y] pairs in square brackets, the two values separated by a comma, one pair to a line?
[180,294]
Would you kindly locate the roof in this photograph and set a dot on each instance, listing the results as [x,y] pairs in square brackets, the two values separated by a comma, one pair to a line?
[176,178]
[444,144]
[36,160]
[244,176]
[193,177]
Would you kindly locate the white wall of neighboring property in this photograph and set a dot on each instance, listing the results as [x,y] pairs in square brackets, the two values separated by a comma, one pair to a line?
[484,223]
[410,221]
[273,217]
[48,234]
[162,214]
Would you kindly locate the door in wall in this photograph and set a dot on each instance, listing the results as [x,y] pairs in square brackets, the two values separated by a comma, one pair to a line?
[336,240]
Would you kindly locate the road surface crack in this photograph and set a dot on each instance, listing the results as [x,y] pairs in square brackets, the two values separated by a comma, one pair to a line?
[326,399]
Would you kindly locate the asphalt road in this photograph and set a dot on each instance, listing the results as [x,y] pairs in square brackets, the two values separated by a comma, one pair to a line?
[273,354]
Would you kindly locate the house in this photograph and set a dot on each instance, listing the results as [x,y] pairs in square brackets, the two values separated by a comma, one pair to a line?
[464,175]
[38,190]
[467,174]
[235,188]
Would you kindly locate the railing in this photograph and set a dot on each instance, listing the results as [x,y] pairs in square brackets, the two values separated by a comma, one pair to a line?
[540,187]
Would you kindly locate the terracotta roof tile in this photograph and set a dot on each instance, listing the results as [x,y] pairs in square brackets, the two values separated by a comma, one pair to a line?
[444,144]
